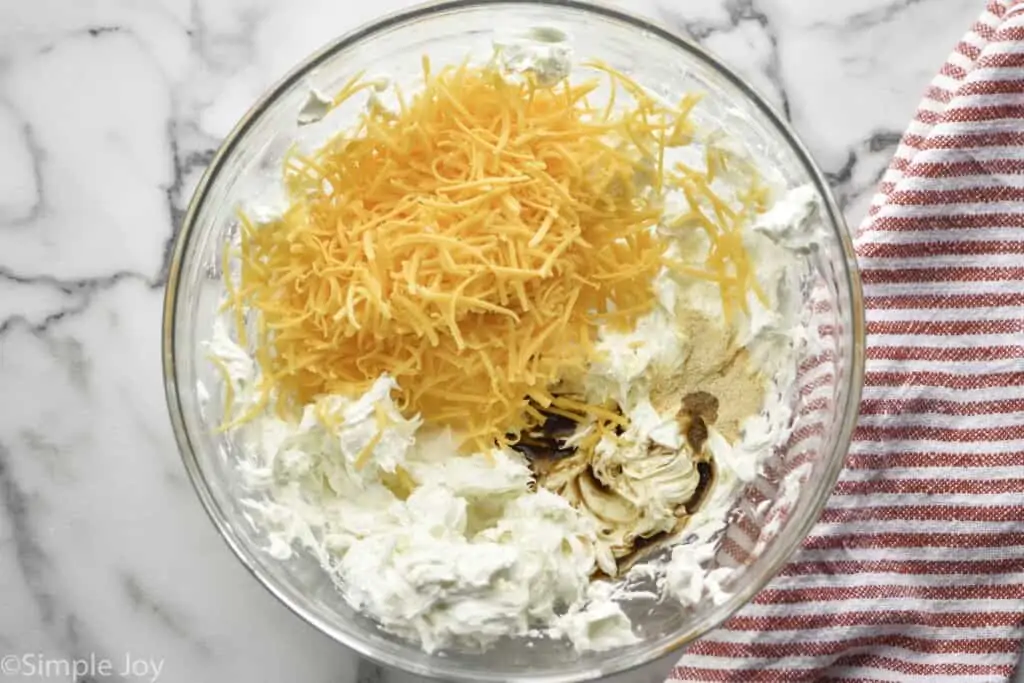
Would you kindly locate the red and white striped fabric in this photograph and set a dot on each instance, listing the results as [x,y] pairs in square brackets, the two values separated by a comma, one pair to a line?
[916,569]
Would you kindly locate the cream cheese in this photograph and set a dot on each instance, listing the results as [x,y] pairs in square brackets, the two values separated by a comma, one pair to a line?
[790,222]
[429,578]
[598,625]
[629,363]
[315,107]
[543,52]
[438,548]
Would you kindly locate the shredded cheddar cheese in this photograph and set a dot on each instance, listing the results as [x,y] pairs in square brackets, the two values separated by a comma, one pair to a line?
[469,244]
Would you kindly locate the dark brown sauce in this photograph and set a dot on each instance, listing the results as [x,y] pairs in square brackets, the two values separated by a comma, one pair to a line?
[706,470]
[699,410]
[701,403]
[545,444]
[696,433]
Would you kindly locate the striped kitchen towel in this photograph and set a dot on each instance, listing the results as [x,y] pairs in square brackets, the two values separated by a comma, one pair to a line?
[916,568]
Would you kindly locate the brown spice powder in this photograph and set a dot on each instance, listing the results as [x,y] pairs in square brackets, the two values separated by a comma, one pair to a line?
[719,366]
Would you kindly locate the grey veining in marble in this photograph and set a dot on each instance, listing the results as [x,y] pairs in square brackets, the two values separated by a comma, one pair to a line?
[109,112]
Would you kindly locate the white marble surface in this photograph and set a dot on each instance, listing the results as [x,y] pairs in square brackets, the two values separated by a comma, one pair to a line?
[109,111]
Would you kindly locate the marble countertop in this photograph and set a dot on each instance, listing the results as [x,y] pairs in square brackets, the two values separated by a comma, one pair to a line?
[109,112]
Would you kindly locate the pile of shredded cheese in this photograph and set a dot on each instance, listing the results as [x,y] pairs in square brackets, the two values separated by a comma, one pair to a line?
[470,243]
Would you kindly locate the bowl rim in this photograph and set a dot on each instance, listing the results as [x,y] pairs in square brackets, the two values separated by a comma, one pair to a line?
[793,534]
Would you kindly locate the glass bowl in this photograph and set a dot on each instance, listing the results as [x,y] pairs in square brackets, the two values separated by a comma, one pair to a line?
[775,512]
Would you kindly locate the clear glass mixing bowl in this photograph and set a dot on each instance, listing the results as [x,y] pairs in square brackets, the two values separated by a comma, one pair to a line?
[767,524]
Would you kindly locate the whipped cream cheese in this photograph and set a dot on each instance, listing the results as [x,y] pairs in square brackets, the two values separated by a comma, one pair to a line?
[628,363]
[315,107]
[598,625]
[438,548]
[544,52]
